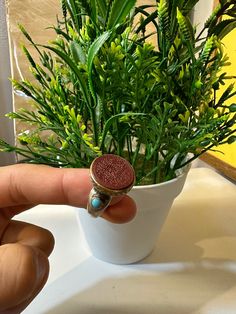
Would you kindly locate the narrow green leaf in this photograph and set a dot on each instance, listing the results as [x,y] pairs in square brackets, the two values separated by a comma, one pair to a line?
[74,68]
[112,119]
[150,18]
[232,108]
[223,28]
[61,32]
[145,6]
[189,5]
[207,50]
[226,94]
[71,5]
[185,26]
[101,4]
[93,50]
[232,11]
[77,52]
[231,139]
[119,11]
[94,10]
[163,16]
[64,8]
[29,57]
[25,33]
[213,17]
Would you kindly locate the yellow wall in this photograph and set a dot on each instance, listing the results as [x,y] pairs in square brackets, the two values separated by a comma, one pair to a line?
[230,48]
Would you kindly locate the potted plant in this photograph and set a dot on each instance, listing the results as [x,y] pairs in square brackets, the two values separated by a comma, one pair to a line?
[101,87]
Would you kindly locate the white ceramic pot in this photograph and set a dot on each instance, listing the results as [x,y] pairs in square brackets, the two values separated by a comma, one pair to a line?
[131,242]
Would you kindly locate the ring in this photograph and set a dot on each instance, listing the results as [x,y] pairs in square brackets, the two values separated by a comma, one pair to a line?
[111,175]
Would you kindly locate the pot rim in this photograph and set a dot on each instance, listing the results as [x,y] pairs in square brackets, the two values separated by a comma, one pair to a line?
[150,186]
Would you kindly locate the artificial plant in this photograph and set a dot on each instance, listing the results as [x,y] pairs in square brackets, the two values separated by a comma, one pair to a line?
[101,87]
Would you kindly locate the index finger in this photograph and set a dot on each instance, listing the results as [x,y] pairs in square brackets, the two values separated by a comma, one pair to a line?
[39,184]
[25,184]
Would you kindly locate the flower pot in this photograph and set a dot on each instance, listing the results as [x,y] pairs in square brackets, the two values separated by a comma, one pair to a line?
[131,242]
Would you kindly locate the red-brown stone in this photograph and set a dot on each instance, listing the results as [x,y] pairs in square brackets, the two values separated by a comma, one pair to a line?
[113,172]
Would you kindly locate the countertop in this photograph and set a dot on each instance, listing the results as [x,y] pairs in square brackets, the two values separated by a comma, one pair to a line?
[191,270]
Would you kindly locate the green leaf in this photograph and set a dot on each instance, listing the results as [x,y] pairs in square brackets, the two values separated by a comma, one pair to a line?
[119,11]
[74,13]
[150,18]
[61,32]
[112,119]
[189,5]
[25,33]
[226,94]
[93,50]
[185,26]
[64,8]
[223,28]
[29,57]
[77,52]
[231,139]
[163,18]
[212,20]
[207,50]
[232,11]
[93,10]
[101,4]
[76,71]
[232,108]
[19,87]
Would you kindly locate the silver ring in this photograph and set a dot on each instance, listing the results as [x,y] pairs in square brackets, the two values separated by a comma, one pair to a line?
[98,202]
[111,175]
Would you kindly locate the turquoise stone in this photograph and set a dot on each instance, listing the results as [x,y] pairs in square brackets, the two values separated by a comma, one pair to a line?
[96,202]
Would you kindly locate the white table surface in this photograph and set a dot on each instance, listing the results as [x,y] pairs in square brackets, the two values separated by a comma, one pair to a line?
[192,269]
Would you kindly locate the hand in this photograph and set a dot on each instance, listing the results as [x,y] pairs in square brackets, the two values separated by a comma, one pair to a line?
[25,247]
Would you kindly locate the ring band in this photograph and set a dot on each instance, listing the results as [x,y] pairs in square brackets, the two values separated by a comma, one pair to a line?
[111,175]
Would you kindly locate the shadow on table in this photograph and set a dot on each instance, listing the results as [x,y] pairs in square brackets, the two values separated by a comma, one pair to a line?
[151,292]
[207,230]
[192,267]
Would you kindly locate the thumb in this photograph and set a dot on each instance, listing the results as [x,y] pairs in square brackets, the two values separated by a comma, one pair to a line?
[23,272]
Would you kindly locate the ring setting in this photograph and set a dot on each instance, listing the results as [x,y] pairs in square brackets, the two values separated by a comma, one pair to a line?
[111,176]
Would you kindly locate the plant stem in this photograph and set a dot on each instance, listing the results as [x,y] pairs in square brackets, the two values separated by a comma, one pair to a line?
[129,147]
[136,153]
[156,159]
[94,125]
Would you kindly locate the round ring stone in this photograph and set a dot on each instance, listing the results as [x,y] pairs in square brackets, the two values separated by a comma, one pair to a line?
[96,203]
[112,172]
[111,175]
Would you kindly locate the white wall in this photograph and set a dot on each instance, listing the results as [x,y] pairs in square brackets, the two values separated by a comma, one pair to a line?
[202,11]
[6,126]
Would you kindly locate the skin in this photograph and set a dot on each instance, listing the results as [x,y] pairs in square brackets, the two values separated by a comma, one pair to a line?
[24,248]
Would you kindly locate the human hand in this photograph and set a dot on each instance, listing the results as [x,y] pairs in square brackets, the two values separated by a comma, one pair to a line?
[25,247]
